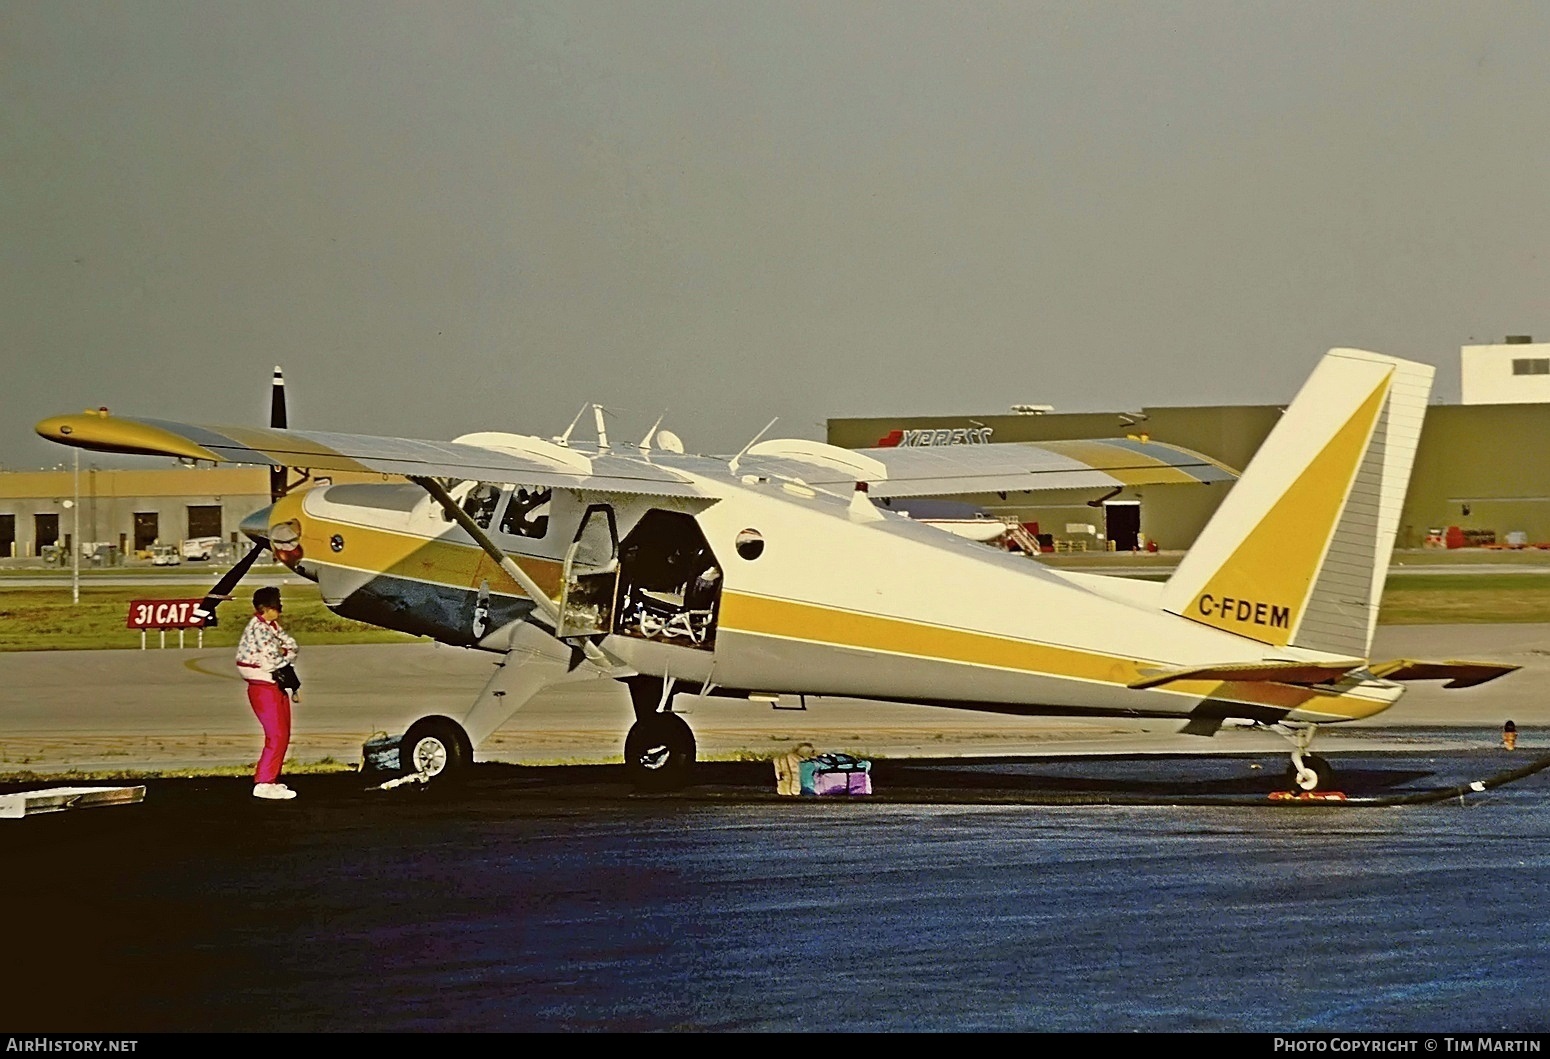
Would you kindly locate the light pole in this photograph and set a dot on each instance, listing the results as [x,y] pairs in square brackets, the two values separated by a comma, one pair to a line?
[75,536]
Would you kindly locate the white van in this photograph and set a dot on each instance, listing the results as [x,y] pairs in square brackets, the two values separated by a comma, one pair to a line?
[199,549]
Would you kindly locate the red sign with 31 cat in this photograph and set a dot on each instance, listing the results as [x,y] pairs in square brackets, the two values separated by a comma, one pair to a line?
[164,614]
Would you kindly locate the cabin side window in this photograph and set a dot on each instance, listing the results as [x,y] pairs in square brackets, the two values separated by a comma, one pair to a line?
[480,503]
[527,515]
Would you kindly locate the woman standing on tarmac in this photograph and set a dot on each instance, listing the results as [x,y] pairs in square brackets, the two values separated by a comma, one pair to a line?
[264,649]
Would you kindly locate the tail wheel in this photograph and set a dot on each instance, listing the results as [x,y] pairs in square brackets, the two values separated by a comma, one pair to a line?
[1316,774]
[659,753]
[436,748]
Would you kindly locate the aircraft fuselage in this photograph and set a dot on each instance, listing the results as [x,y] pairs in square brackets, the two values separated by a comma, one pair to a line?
[808,597]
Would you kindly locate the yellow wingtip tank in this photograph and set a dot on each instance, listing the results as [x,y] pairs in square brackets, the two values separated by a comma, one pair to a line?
[100,431]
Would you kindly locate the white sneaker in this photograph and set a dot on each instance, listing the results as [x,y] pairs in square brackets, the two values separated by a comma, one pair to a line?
[273,791]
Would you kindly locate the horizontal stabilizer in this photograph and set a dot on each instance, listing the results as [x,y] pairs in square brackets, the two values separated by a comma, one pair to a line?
[1457,674]
[1304,673]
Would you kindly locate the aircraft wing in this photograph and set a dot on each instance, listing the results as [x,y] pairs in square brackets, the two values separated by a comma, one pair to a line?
[489,458]
[1105,463]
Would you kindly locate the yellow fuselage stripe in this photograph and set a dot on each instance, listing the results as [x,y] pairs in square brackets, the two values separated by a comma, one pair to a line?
[427,559]
[794,620]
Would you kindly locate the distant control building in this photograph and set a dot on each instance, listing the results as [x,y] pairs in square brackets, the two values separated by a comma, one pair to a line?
[125,513]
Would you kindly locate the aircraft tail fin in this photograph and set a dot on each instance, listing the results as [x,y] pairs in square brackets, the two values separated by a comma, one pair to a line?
[1298,552]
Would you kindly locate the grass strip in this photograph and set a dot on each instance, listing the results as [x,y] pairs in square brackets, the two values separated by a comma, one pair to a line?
[44,619]
[1461,599]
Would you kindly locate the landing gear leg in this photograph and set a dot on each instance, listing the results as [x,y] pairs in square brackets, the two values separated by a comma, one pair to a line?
[440,748]
[659,749]
[1308,772]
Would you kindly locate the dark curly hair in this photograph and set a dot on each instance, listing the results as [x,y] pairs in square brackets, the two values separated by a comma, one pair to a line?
[268,596]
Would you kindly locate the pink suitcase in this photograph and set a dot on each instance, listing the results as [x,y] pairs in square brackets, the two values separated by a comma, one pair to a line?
[847,781]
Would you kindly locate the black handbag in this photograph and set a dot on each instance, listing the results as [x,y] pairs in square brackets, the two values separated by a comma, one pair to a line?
[286,679]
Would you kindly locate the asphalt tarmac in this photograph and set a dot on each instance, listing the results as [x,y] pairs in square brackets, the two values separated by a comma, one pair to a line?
[1005,874]
[1134,894]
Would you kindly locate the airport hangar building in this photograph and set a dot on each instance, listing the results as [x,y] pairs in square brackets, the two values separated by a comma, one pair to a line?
[124,513]
[1482,466]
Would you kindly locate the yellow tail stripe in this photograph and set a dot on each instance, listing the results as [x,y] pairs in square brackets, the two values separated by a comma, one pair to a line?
[1261,590]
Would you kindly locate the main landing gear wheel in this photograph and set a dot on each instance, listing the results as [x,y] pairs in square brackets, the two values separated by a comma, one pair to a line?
[1316,774]
[659,753]
[436,748]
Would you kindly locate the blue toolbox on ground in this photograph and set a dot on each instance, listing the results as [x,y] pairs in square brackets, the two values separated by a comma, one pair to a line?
[836,774]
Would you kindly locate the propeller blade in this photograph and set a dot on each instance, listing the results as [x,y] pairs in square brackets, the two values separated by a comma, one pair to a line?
[277,420]
[277,400]
[223,588]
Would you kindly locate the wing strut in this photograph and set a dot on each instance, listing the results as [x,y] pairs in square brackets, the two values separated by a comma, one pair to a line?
[539,597]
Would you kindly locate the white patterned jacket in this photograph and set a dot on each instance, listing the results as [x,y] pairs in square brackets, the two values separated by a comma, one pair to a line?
[264,647]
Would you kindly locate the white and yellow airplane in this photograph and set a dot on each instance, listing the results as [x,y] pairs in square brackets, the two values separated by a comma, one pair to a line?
[777,571]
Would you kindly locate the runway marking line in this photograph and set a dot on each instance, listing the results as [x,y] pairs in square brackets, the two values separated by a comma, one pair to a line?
[193,666]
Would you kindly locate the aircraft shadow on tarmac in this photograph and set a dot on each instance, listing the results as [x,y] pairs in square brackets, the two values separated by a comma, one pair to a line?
[1139,779]
[1373,778]
[1184,781]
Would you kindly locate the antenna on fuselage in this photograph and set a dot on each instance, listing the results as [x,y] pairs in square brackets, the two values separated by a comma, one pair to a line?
[751,442]
[645,442]
[564,439]
[602,431]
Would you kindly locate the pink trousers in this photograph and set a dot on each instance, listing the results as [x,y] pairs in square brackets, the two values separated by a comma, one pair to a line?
[273,709]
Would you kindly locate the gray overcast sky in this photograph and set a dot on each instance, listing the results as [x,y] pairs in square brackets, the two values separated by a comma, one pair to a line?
[469,216]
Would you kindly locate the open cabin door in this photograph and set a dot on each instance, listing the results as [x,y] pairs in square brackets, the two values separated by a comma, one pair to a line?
[669,582]
[591,573]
